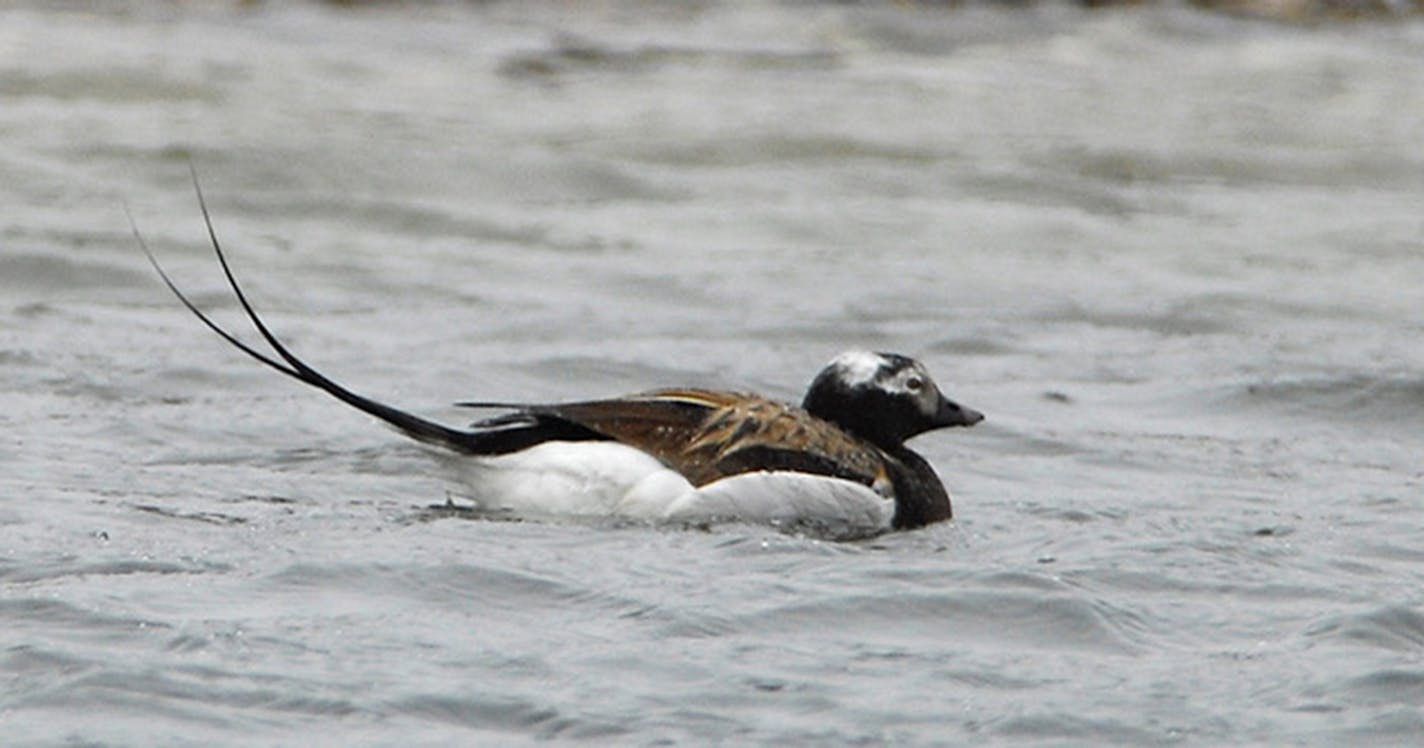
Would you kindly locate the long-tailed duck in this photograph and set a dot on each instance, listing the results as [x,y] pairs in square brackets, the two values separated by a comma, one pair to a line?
[839,459]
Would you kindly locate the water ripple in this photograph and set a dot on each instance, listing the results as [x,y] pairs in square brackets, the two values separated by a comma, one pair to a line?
[997,619]
[1393,628]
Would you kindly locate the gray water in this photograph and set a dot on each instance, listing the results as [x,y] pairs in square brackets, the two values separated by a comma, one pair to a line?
[1176,257]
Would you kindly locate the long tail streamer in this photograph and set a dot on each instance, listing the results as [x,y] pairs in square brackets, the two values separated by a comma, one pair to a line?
[294,367]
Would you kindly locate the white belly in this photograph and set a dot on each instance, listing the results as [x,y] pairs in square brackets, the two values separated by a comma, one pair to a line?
[607,479]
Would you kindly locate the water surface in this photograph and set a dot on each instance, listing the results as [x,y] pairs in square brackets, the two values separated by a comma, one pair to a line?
[1175,257]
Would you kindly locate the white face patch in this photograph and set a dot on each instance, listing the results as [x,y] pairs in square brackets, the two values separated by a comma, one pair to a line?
[857,368]
[913,382]
[898,376]
[902,377]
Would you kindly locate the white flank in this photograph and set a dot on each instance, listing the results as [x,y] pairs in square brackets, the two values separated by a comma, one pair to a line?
[607,479]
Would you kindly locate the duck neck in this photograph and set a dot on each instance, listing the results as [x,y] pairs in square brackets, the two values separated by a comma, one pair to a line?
[920,496]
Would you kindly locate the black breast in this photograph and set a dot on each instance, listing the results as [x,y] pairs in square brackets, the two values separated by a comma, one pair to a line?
[920,496]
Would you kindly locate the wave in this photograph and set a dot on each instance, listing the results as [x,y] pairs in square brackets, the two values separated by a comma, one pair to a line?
[1355,397]
[1392,628]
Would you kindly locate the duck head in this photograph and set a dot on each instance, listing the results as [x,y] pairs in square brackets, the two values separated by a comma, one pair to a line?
[884,398]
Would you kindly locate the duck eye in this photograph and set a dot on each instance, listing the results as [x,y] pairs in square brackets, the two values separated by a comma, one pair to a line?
[914,384]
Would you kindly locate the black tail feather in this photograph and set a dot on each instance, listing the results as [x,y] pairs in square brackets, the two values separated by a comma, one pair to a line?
[469,442]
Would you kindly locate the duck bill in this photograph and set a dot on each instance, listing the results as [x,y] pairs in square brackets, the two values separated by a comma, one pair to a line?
[953,414]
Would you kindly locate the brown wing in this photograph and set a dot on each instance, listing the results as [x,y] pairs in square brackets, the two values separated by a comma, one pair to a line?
[706,435]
